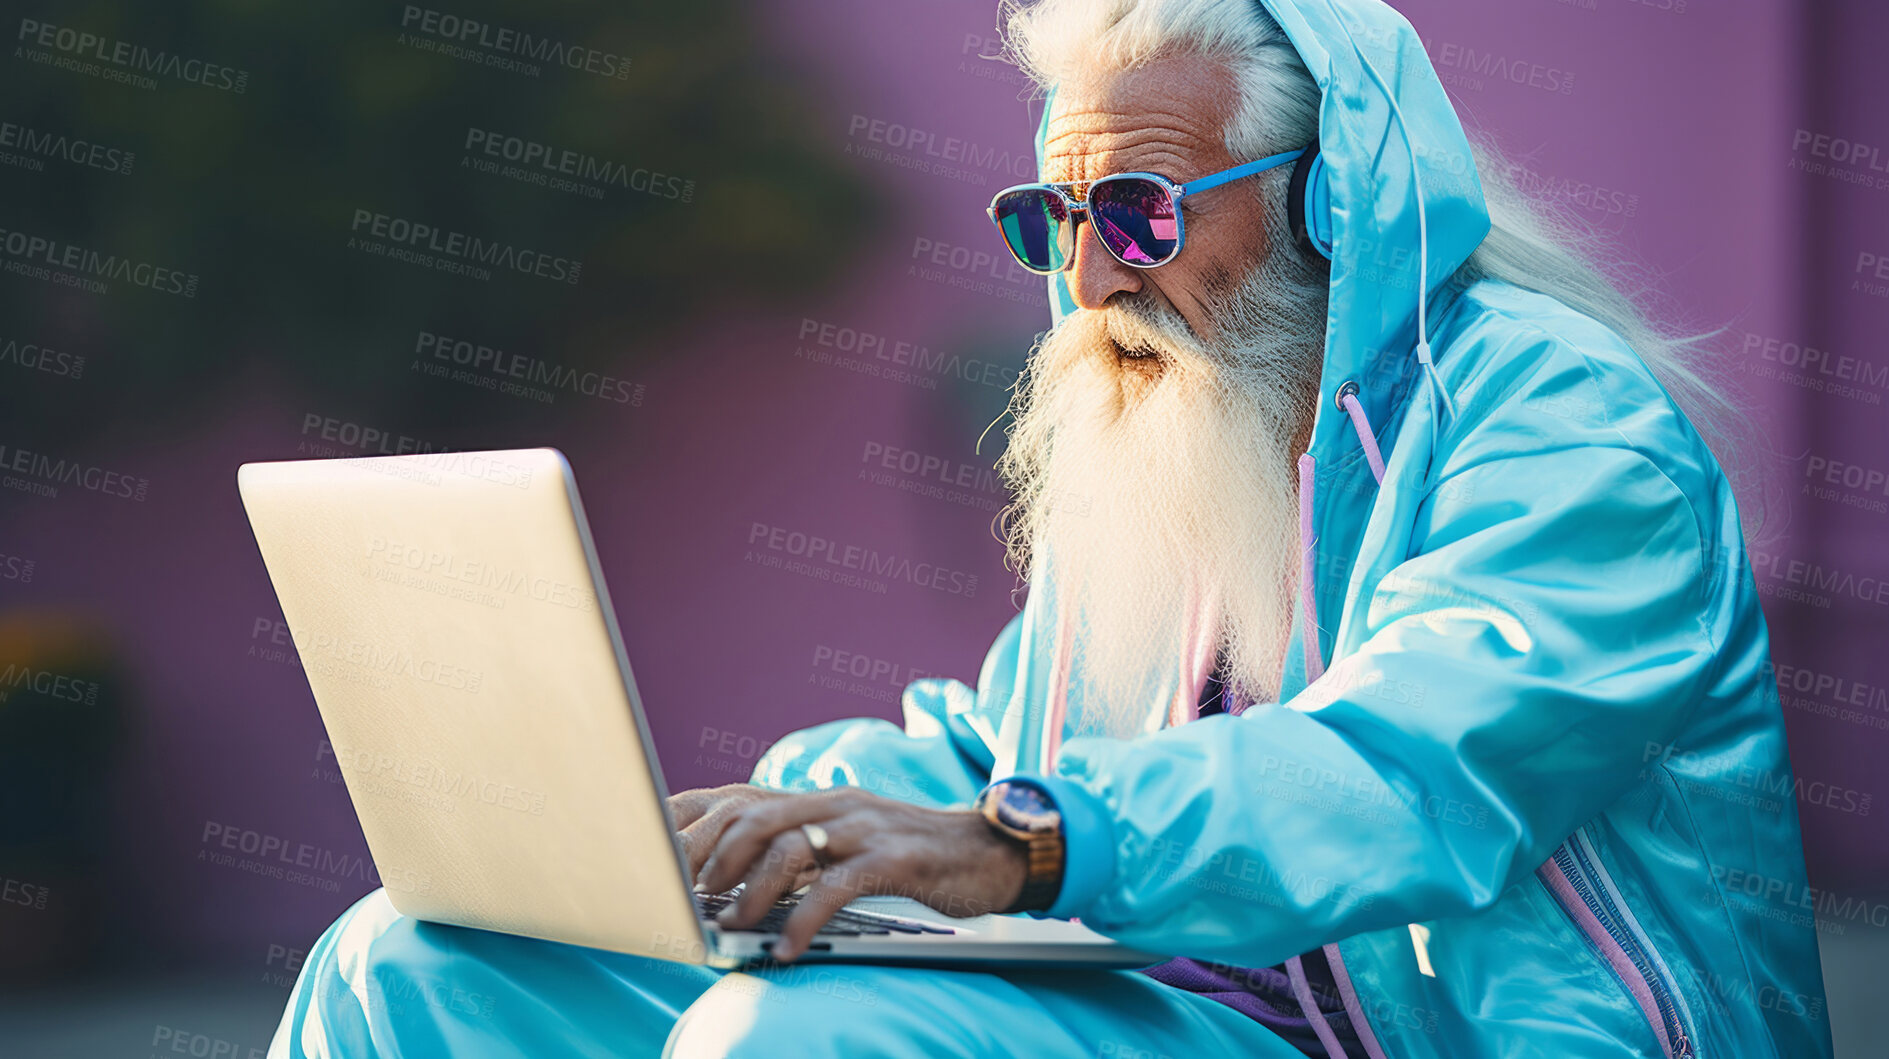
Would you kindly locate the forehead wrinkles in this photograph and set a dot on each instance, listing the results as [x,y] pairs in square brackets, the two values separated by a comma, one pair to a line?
[1091,144]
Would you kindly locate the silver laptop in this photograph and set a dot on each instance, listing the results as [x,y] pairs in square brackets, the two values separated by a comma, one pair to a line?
[456,633]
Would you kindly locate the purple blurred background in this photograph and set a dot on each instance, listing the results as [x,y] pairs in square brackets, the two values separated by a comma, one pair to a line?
[1737,156]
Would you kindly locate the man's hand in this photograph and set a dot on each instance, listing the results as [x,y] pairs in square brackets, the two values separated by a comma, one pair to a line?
[702,814]
[950,860]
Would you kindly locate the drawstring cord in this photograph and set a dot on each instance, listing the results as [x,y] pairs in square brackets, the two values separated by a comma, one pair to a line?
[1365,438]
[1302,989]
[1308,561]
[1314,659]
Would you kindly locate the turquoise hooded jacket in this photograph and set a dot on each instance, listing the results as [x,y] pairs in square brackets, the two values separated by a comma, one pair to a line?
[1535,798]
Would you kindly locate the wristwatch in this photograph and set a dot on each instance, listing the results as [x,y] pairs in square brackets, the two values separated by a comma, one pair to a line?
[1024,813]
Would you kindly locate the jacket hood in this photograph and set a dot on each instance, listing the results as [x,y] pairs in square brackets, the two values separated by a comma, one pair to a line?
[1370,330]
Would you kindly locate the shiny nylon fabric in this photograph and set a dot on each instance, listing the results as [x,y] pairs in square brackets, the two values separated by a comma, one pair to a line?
[1544,619]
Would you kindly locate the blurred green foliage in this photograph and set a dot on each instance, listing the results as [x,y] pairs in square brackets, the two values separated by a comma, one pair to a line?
[255,193]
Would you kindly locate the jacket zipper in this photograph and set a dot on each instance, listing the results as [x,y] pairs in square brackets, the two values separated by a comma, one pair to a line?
[1575,876]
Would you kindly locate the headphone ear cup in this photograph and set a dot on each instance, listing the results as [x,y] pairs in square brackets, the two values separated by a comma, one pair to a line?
[1308,203]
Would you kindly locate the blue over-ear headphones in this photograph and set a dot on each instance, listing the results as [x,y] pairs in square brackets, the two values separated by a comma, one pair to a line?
[1308,203]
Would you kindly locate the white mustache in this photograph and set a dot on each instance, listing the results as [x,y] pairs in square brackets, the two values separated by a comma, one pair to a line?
[1152,328]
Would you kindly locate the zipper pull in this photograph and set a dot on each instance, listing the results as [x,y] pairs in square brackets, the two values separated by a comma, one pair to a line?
[1682,1048]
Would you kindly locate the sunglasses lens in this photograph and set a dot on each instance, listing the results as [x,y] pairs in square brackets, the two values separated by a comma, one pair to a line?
[1036,226]
[1135,218]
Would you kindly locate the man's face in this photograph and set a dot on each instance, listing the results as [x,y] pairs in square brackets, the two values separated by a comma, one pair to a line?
[1168,118]
[1153,443]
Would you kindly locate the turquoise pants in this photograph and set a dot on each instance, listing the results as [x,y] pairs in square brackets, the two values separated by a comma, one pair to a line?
[378,984]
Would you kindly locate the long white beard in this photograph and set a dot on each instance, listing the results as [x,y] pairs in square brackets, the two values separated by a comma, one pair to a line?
[1166,502]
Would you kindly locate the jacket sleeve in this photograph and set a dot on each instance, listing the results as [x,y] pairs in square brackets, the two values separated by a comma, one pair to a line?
[942,757]
[1548,626]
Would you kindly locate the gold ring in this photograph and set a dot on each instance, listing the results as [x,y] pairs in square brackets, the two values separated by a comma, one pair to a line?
[817,838]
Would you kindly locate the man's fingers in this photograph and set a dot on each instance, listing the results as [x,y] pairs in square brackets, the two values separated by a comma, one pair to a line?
[686,807]
[755,826]
[699,839]
[701,816]
[777,871]
[831,892]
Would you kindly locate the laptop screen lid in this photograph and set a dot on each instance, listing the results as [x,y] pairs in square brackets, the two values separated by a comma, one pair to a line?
[455,631]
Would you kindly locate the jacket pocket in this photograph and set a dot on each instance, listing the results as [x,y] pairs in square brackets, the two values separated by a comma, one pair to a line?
[1580,884]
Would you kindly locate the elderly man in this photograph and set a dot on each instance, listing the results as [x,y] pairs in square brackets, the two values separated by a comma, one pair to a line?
[1390,658]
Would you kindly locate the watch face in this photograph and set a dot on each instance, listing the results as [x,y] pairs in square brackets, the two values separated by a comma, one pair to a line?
[1026,808]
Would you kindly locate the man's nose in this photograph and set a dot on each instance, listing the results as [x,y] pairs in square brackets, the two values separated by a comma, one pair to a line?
[1097,275]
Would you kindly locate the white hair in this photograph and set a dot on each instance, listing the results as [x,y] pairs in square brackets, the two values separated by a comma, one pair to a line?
[1535,244]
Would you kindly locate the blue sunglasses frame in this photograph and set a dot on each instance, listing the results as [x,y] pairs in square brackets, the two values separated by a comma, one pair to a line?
[1078,208]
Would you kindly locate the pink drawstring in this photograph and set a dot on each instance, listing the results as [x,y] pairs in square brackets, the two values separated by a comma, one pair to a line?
[1308,600]
[1295,971]
[1058,710]
[1198,644]
[1315,668]
[1308,480]
[1365,438]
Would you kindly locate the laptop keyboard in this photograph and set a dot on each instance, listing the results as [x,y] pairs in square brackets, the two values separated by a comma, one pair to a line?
[847,922]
